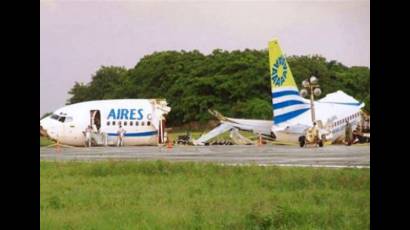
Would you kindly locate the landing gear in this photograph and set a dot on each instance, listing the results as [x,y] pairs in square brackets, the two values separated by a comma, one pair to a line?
[320,143]
[303,141]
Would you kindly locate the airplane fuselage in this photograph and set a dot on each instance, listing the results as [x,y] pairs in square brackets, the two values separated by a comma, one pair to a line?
[141,120]
[334,130]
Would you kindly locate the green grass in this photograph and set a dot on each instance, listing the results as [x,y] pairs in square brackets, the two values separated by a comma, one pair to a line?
[163,195]
[44,141]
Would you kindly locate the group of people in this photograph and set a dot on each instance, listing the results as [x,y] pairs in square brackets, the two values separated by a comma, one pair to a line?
[357,135]
[88,136]
[351,136]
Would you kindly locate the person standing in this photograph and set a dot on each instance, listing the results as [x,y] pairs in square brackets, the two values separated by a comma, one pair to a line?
[121,132]
[348,133]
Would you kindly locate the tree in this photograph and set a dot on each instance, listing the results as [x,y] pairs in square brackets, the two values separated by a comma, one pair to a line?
[80,93]
[236,83]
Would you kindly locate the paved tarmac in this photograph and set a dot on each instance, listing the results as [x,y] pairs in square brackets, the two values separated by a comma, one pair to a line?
[283,155]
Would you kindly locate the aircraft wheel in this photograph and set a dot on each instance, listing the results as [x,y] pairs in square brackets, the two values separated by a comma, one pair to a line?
[302,141]
[321,143]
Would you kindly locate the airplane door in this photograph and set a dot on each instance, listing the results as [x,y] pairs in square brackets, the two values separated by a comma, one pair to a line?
[95,120]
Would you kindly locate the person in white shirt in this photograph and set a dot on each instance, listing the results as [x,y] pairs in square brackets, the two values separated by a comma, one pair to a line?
[120,132]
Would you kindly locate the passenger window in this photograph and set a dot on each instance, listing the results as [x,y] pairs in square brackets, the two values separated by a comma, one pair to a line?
[131,123]
[113,123]
[108,123]
[125,123]
[137,123]
[142,123]
[148,123]
[119,123]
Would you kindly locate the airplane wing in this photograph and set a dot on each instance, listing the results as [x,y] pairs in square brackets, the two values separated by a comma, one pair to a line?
[227,123]
[252,125]
[341,98]
[213,133]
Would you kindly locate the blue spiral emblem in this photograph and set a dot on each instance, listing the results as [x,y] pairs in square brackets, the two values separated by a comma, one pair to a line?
[279,71]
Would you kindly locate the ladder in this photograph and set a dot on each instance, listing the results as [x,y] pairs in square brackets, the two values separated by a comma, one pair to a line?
[99,138]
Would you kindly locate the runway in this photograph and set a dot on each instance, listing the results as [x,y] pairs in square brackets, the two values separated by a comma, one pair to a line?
[328,156]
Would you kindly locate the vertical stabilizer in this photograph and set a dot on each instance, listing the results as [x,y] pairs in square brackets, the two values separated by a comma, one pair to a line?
[287,103]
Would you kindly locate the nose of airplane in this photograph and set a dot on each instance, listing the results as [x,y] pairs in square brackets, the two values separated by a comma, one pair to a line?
[43,132]
[47,127]
[43,127]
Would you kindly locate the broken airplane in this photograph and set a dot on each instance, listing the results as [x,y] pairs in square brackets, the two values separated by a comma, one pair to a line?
[291,112]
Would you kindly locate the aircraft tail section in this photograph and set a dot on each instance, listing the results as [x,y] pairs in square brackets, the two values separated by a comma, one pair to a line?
[287,103]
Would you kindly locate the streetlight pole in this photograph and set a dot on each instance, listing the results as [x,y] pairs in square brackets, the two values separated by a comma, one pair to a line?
[312,104]
[311,87]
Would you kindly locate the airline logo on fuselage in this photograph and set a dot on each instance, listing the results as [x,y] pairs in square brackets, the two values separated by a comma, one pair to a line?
[125,114]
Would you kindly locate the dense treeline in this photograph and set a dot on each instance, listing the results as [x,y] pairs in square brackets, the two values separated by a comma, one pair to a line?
[235,83]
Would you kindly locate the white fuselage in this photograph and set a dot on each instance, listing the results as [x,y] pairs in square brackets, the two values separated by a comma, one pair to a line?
[140,118]
[332,115]
[334,131]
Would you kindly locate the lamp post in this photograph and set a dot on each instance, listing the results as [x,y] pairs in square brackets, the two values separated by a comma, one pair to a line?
[311,88]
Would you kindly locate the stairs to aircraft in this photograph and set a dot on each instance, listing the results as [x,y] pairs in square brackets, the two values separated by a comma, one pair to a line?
[99,138]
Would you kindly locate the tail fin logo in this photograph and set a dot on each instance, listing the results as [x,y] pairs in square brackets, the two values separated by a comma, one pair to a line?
[279,71]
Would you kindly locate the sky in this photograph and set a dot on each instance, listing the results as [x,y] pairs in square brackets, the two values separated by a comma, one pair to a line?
[78,37]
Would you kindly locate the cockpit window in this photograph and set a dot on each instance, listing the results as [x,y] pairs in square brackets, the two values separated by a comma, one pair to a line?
[61,119]
[68,119]
[54,116]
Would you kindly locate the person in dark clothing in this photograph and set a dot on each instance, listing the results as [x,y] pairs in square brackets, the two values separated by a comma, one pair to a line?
[348,133]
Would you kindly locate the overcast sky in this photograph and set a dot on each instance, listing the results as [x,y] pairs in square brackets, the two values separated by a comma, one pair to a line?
[77,37]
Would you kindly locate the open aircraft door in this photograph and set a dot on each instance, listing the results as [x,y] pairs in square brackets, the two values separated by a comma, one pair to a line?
[160,109]
[95,119]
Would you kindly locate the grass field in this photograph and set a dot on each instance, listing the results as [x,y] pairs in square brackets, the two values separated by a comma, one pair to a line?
[163,195]
[44,141]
